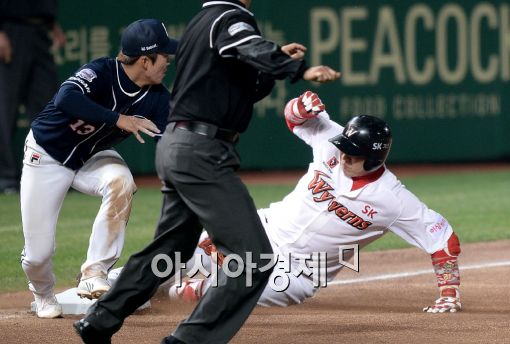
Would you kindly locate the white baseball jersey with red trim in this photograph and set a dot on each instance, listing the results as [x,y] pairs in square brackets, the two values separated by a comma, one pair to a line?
[328,209]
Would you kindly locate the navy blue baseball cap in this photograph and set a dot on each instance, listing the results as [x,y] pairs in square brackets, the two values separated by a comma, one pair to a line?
[147,36]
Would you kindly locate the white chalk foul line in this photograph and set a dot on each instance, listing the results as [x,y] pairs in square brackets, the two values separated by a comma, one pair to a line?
[416,273]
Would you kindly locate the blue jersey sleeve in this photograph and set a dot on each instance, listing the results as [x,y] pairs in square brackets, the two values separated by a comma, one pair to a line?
[71,101]
[78,94]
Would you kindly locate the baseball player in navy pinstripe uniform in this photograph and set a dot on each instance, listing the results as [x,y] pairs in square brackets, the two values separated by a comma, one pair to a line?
[70,146]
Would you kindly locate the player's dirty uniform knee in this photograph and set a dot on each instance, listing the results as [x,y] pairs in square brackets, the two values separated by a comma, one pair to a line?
[119,194]
[110,224]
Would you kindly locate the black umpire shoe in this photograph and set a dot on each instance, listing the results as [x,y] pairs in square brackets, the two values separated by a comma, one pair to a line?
[171,340]
[89,334]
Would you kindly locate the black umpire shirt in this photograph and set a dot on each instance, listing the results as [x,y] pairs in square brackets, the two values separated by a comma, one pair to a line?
[224,66]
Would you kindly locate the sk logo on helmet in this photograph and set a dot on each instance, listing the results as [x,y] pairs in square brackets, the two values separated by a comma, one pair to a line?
[380,146]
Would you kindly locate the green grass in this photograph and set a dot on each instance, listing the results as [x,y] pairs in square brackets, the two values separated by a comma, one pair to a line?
[476,205]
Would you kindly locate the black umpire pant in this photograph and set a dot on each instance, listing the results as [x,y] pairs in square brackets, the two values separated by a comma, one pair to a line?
[201,190]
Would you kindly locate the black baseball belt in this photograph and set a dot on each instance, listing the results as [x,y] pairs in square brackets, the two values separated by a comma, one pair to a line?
[209,130]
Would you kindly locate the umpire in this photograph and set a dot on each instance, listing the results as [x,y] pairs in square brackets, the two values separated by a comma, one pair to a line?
[223,67]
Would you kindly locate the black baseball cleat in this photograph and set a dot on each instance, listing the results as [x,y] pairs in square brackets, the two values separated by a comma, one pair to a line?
[171,340]
[89,334]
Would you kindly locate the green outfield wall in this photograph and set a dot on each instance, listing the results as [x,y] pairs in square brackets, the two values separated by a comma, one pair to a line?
[437,72]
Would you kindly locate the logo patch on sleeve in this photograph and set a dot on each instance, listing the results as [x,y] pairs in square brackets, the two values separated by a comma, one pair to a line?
[238,27]
[87,74]
[332,162]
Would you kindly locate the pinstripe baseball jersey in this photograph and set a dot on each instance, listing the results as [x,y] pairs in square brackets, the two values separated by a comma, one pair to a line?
[80,119]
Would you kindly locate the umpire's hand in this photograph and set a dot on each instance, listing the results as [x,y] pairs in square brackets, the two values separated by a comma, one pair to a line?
[134,124]
[321,74]
[296,51]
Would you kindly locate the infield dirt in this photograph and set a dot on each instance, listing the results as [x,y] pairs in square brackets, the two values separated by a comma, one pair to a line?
[385,311]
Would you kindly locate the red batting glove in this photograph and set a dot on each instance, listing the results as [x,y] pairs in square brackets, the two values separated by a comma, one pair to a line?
[306,106]
[310,105]
[211,250]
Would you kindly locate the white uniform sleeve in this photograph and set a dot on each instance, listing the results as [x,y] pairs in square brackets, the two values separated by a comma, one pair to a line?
[318,130]
[420,226]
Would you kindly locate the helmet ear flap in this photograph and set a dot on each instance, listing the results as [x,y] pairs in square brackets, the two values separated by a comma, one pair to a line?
[371,164]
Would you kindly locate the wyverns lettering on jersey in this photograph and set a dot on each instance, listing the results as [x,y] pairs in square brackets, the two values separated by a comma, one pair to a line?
[321,191]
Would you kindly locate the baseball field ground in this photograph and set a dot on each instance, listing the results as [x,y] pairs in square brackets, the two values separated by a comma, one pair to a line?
[380,304]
